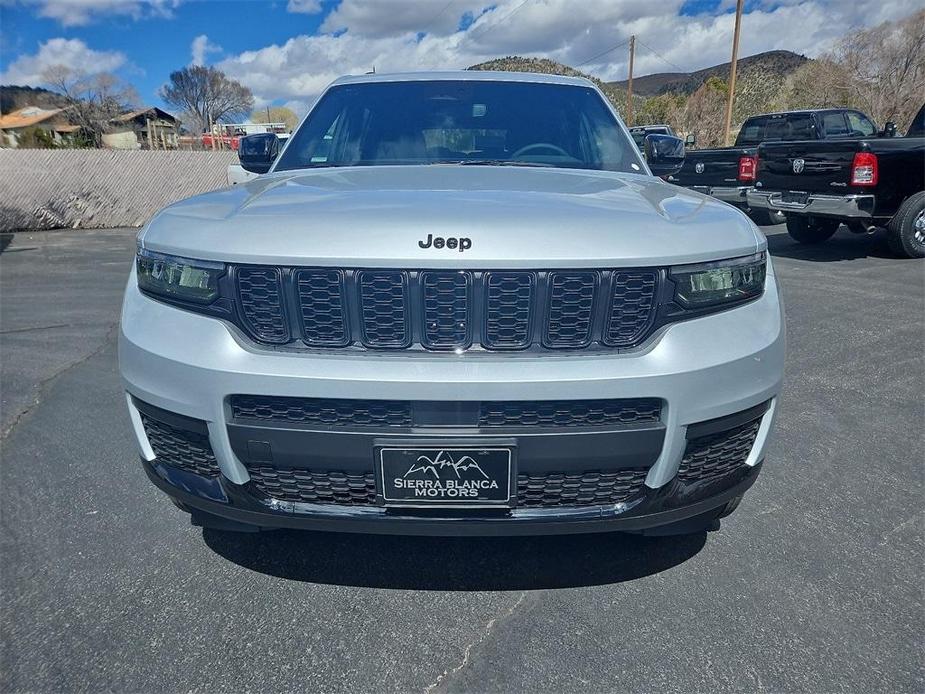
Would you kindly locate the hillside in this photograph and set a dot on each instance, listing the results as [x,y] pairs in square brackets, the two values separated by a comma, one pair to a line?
[13,97]
[514,63]
[772,66]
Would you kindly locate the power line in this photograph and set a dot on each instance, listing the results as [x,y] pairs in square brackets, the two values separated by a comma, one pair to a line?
[439,14]
[603,53]
[674,65]
[485,29]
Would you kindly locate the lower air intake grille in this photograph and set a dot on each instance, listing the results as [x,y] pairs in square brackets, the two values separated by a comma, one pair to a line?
[387,414]
[359,489]
[309,486]
[323,411]
[710,457]
[184,450]
[569,413]
[580,489]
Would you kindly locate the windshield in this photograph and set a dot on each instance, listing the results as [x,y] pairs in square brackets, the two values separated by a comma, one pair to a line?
[461,122]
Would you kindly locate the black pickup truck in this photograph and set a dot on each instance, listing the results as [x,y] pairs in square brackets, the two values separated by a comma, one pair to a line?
[864,182]
[728,173]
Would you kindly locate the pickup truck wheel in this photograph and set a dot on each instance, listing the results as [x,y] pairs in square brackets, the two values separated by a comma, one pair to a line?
[810,229]
[907,228]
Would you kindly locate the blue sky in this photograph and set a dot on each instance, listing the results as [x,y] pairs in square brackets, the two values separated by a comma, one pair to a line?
[287,50]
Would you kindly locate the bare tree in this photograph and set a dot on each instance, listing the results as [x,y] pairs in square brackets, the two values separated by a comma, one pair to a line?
[817,83]
[704,113]
[207,95]
[92,99]
[276,114]
[883,68]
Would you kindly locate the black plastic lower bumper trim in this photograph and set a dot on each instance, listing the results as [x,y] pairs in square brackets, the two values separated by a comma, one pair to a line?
[657,508]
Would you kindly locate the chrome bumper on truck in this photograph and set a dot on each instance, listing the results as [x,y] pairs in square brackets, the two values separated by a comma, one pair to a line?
[669,430]
[816,205]
[735,195]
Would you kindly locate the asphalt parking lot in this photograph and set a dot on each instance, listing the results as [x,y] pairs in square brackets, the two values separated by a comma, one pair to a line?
[814,585]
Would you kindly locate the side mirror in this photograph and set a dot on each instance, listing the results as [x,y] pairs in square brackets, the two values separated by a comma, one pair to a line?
[690,140]
[664,154]
[889,130]
[257,152]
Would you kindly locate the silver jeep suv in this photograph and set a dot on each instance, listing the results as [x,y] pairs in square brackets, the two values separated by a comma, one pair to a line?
[455,303]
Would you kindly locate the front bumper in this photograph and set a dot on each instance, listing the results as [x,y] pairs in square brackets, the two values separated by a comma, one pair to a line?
[734,195]
[702,369]
[816,205]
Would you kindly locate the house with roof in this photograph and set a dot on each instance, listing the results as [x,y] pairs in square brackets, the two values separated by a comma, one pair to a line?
[32,124]
[146,128]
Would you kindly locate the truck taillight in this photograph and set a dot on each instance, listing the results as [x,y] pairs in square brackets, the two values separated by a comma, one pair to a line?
[864,169]
[748,167]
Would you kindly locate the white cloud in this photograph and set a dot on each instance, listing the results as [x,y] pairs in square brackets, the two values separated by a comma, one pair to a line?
[82,12]
[200,48]
[304,6]
[377,18]
[367,33]
[28,69]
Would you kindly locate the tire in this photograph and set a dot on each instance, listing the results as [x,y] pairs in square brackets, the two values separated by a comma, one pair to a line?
[810,229]
[730,506]
[906,231]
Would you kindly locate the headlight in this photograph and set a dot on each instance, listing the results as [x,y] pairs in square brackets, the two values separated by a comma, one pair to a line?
[178,278]
[723,282]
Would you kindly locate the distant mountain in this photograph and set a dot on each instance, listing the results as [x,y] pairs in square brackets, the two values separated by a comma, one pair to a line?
[769,66]
[515,63]
[14,97]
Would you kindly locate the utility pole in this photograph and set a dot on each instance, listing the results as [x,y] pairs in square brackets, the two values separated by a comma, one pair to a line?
[730,98]
[629,83]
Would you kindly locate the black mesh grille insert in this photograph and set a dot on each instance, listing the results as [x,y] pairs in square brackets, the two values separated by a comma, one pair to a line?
[594,488]
[631,307]
[384,308]
[571,309]
[710,457]
[508,309]
[446,309]
[260,294]
[488,414]
[310,486]
[323,411]
[185,450]
[569,413]
[580,489]
[322,307]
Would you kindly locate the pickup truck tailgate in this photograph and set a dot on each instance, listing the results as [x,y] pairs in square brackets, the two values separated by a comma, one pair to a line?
[817,166]
[710,167]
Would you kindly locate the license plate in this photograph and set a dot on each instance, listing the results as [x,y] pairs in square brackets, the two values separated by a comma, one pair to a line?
[445,476]
[795,196]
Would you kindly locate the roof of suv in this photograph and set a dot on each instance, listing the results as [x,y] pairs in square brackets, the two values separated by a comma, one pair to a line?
[464,75]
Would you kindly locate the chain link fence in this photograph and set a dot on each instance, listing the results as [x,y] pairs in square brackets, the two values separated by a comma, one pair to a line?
[91,189]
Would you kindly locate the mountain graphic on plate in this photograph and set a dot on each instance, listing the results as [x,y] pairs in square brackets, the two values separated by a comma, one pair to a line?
[443,461]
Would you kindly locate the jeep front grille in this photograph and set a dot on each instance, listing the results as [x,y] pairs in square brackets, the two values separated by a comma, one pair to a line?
[447,310]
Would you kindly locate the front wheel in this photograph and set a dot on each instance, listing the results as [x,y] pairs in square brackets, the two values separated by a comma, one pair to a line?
[907,228]
[810,229]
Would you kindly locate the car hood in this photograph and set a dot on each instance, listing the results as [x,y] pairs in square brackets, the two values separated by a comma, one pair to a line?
[514,217]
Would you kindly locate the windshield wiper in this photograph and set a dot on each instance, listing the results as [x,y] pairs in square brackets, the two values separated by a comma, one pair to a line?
[489,162]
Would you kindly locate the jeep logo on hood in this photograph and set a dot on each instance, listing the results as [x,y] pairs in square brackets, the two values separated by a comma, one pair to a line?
[432,241]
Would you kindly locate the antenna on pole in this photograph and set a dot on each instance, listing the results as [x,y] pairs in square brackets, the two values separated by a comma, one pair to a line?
[629,83]
[730,98]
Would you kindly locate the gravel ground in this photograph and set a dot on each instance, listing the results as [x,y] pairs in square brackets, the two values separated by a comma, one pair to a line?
[814,585]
